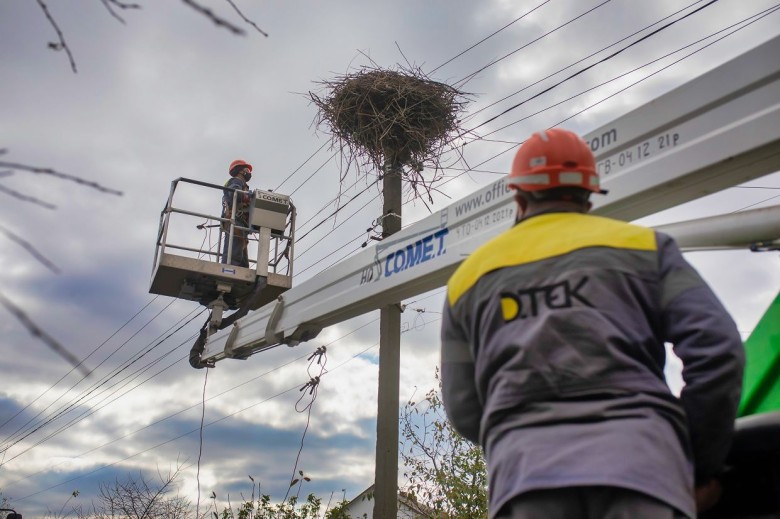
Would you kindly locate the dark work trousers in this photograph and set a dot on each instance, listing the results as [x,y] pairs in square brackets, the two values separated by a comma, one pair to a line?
[586,503]
[240,256]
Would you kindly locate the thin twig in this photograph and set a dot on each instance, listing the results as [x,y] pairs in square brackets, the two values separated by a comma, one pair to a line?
[403,55]
[121,5]
[65,176]
[61,45]
[40,334]
[26,198]
[32,250]
[208,13]
[247,20]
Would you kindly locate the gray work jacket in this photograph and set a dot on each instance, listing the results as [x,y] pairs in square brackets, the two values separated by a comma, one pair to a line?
[553,355]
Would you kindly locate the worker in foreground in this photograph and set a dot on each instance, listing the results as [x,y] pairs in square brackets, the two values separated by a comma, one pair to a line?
[553,356]
[240,173]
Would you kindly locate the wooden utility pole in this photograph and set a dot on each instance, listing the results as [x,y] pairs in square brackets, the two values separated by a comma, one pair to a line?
[386,471]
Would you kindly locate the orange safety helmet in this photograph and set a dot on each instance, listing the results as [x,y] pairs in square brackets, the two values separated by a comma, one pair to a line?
[554,158]
[238,162]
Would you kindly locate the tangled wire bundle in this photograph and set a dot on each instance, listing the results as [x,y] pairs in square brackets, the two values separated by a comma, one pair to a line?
[386,116]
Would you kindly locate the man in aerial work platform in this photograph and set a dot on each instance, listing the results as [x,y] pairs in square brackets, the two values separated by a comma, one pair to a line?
[240,173]
[553,356]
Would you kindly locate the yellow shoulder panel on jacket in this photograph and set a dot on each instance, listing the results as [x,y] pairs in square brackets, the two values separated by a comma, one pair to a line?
[546,236]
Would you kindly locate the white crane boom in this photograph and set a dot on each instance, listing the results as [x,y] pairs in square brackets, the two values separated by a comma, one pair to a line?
[718,130]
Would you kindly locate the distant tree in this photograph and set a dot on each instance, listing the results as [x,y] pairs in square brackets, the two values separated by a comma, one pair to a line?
[444,471]
[4,503]
[137,498]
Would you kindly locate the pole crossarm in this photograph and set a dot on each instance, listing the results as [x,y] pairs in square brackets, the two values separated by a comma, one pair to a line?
[719,130]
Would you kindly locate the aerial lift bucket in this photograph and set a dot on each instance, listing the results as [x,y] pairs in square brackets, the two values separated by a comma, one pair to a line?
[189,264]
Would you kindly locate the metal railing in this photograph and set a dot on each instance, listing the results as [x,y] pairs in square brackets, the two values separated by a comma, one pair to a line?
[281,247]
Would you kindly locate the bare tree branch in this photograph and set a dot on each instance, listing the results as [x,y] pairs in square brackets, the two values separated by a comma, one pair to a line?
[65,176]
[32,250]
[247,20]
[111,6]
[40,334]
[26,198]
[121,5]
[61,45]
[208,13]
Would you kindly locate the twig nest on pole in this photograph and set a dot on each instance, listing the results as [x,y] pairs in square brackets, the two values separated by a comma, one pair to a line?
[399,117]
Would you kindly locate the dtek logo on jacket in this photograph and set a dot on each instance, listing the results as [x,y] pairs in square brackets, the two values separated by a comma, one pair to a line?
[525,303]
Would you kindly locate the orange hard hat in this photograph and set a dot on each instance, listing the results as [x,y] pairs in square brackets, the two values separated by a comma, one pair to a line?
[239,162]
[554,158]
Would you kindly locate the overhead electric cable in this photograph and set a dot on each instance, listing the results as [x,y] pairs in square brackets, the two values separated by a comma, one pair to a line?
[24,426]
[334,213]
[200,442]
[86,414]
[69,407]
[459,84]
[315,172]
[313,387]
[753,205]
[342,192]
[758,16]
[336,261]
[526,87]
[488,37]
[298,256]
[23,409]
[585,69]
[299,167]
[189,408]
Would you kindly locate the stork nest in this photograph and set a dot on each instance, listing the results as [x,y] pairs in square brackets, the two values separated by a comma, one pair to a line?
[391,117]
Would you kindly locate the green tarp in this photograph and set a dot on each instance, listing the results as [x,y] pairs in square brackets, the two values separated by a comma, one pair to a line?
[761,387]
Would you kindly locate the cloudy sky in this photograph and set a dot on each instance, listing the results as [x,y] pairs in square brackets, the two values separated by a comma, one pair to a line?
[170,94]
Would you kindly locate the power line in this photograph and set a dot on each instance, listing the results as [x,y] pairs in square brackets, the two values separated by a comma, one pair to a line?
[653,61]
[471,115]
[315,172]
[199,403]
[753,18]
[342,192]
[200,443]
[80,363]
[64,410]
[298,256]
[624,74]
[187,409]
[583,70]
[22,428]
[86,414]
[334,213]
[758,16]
[338,260]
[757,203]
[469,77]
[488,37]
[482,138]
[529,12]
[299,167]
[313,386]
